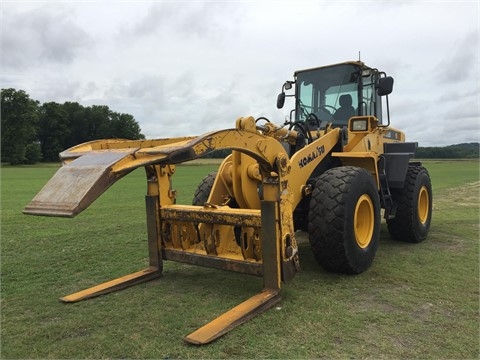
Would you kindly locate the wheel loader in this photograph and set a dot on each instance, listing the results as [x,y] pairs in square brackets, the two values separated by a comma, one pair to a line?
[333,169]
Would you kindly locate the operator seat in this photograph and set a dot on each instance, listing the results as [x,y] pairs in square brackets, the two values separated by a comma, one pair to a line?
[345,111]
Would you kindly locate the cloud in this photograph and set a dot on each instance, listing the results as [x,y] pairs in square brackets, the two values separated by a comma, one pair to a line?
[201,20]
[460,63]
[37,37]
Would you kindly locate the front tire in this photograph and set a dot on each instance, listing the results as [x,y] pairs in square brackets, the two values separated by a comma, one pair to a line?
[204,189]
[344,220]
[414,212]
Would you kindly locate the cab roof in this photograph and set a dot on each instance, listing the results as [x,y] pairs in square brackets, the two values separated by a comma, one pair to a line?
[355,63]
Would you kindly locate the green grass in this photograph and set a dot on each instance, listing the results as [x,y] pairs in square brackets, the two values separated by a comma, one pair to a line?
[416,301]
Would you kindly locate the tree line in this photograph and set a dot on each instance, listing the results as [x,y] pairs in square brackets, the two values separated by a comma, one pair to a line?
[32,132]
[458,151]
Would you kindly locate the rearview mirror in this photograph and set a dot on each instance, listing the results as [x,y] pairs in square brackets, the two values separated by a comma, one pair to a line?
[384,85]
[280,100]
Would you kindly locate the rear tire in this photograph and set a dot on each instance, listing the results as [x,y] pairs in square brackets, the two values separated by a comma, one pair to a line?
[344,220]
[414,211]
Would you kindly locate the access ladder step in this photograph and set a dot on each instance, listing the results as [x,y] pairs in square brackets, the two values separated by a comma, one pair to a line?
[386,196]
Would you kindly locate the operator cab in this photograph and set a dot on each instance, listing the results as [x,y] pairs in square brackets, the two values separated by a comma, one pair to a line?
[335,93]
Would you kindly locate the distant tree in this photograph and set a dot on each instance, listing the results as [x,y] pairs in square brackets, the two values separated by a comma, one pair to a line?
[99,122]
[465,150]
[54,130]
[218,154]
[79,127]
[33,153]
[458,151]
[19,123]
[124,126]
[32,132]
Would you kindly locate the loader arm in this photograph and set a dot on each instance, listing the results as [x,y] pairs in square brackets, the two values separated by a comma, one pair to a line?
[305,161]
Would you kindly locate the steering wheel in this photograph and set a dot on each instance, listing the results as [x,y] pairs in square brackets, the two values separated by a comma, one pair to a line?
[324,114]
[325,106]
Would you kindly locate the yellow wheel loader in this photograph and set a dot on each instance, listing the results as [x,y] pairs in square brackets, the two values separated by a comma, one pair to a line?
[328,170]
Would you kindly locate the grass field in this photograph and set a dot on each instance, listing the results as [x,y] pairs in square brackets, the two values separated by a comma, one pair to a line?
[416,301]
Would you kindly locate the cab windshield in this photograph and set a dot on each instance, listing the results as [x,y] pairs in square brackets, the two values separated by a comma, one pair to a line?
[336,93]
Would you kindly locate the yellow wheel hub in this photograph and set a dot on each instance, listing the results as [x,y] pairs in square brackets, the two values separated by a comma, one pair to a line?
[423,205]
[364,221]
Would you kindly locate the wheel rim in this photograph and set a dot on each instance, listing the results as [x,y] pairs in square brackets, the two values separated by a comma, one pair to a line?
[423,205]
[364,221]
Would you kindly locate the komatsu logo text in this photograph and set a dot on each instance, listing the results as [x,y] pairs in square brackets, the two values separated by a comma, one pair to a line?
[308,159]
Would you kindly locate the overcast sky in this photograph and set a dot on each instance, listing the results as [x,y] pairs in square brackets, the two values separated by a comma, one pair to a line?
[189,67]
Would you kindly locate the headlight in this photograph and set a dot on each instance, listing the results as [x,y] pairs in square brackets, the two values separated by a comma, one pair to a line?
[359,125]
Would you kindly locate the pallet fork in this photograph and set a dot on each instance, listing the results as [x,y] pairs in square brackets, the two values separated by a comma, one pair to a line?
[258,303]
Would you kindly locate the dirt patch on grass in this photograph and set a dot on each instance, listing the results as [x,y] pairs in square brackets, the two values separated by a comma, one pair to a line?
[463,196]
[456,208]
